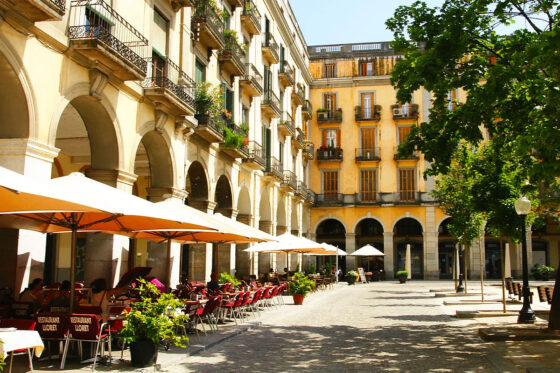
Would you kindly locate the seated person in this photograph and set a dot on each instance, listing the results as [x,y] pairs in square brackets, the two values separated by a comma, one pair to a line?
[60,299]
[101,295]
[213,286]
[34,293]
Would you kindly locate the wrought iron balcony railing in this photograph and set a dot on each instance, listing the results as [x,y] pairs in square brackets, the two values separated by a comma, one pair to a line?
[251,17]
[368,113]
[307,110]
[286,126]
[414,156]
[309,151]
[271,103]
[367,154]
[310,196]
[406,111]
[252,80]
[301,189]
[96,20]
[270,48]
[290,180]
[329,154]
[232,57]
[300,139]
[329,116]
[167,75]
[274,167]
[286,74]
[207,26]
[256,154]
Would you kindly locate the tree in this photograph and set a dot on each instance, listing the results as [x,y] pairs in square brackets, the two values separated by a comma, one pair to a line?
[510,83]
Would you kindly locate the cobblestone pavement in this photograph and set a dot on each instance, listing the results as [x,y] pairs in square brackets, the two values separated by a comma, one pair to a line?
[363,328]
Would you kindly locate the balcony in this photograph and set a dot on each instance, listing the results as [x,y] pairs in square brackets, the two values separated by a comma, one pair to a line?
[232,57]
[170,86]
[273,168]
[235,3]
[300,140]
[234,137]
[301,189]
[329,154]
[307,110]
[251,18]
[309,151]
[329,199]
[270,104]
[310,197]
[368,113]
[178,4]
[289,181]
[364,155]
[286,126]
[100,34]
[38,10]
[405,157]
[270,49]
[298,94]
[285,75]
[208,128]
[207,26]
[329,116]
[373,198]
[407,111]
[255,158]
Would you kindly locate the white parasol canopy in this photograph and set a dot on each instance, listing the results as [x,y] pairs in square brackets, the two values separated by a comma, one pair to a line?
[288,243]
[367,250]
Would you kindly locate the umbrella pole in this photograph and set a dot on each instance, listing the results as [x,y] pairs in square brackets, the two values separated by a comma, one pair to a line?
[73,268]
[336,273]
[168,264]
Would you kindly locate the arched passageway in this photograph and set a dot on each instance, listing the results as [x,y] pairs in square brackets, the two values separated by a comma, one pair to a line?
[223,197]
[197,187]
[369,231]
[242,258]
[332,232]
[408,231]
[265,263]
[446,250]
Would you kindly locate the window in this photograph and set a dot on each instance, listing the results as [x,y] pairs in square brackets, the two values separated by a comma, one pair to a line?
[227,96]
[403,133]
[366,68]
[451,98]
[330,185]
[368,185]
[226,16]
[331,138]
[367,101]
[281,152]
[330,103]
[159,34]
[330,71]
[199,72]
[368,142]
[406,185]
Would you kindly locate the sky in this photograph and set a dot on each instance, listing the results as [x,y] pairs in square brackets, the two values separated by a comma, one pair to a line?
[347,21]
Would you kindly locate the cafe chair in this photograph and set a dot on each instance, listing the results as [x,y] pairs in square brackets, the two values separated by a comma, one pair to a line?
[52,327]
[86,328]
[22,310]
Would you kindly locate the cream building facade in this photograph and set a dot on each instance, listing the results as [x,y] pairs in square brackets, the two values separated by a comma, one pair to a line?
[108,89]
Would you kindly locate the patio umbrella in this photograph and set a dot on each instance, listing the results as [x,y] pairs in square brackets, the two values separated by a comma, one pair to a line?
[336,251]
[367,250]
[225,231]
[110,211]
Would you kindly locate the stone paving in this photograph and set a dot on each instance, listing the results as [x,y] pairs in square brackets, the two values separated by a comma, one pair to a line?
[376,327]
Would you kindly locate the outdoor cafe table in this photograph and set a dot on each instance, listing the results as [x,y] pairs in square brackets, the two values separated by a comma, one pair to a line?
[21,339]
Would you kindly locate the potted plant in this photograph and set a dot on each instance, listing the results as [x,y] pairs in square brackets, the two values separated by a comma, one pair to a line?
[352,277]
[154,318]
[207,102]
[227,278]
[402,276]
[541,272]
[299,287]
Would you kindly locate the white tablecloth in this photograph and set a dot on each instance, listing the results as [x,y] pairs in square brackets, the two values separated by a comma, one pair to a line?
[21,339]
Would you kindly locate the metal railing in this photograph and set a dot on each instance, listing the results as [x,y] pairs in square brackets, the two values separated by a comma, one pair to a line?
[274,167]
[270,98]
[329,115]
[270,42]
[367,154]
[94,19]
[300,92]
[287,70]
[253,76]
[368,113]
[250,10]
[373,197]
[329,198]
[288,124]
[301,138]
[329,154]
[60,4]
[406,111]
[413,156]
[309,150]
[166,74]
[256,153]
[310,196]
[307,108]
[204,13]
[290,179]
[301,188]
[233,49]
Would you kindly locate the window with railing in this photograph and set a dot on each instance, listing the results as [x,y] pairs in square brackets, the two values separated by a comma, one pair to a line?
[367,100]
[367,68]
[329,70]
[407,184]
[329,101]
[368,185]
[330,185]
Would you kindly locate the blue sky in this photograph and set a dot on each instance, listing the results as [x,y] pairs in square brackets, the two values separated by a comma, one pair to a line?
[347,21]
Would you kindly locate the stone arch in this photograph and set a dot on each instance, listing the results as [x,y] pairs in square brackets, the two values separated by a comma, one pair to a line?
[17,100]
[294,219]
[331,231]
[223,196]
[244,202]
[101,123]
[445,249]
[265,207]
[327,218]
[196,185]
[368,217]
[395,222]
[409,233]
[439,225]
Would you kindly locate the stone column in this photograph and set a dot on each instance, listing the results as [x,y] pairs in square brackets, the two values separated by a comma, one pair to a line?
[23,251]
[265,260]
[243,258]
[200,255]
[350,248]
[431,259]
[388,260]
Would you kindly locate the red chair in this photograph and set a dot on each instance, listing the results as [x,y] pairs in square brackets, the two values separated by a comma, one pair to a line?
[22,310]
[245,304]
[233,306]
[19,324]
[271,294]
[207,313]
[52,327]
[254,301]
[86,328]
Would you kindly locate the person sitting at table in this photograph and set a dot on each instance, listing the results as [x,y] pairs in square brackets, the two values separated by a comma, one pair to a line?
[213,286]
[61,298]
[100,295]
[34,293]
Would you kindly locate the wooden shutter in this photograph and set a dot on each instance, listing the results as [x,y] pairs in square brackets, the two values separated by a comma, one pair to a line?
[406,183]
[403,133]
[338,139]
[367,114]
[368,185]
[368,140]
[324,138]
[363,68]
[330,184]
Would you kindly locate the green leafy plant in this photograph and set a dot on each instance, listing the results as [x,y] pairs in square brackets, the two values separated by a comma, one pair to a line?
[328,269]
[232,139]
[402,273]
[226,277]
[207,99]
[244,128]
[2,362]
[154,317]
[352,274]
[541,272]
[322,110]
[312,269]
[300,284]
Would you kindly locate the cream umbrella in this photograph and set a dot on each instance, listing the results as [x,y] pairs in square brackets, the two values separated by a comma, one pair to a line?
[367,250]
[333,250]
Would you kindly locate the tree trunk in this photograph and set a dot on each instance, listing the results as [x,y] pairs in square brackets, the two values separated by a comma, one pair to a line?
[554,315]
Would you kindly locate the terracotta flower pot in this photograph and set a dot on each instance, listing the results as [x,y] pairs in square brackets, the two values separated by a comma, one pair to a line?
[298,298]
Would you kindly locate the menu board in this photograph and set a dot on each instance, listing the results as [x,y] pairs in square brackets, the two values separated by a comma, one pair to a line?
[362,275]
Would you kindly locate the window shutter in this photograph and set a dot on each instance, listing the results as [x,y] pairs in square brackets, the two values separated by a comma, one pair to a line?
[324,138]
[338,138]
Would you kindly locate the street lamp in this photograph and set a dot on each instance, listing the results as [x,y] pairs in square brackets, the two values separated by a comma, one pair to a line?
[526,315]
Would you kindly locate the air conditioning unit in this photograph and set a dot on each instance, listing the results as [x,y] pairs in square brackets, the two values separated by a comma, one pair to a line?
[397,112]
